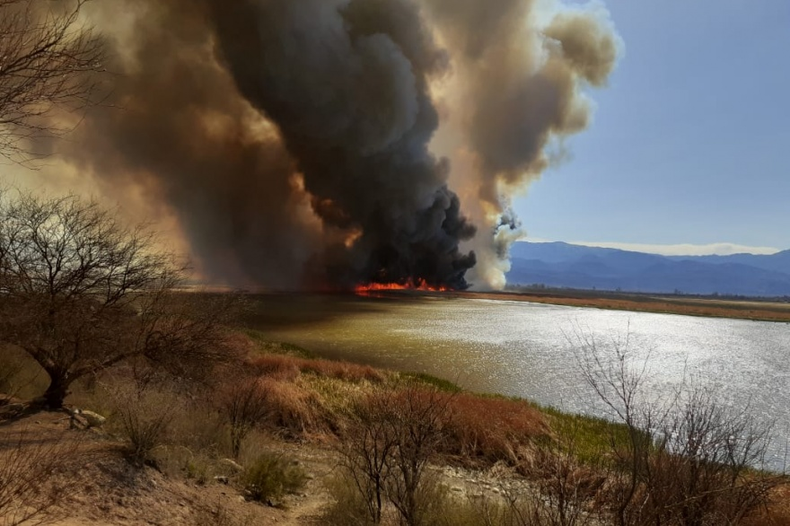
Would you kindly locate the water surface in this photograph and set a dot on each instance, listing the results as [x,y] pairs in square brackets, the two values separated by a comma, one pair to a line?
[529,350]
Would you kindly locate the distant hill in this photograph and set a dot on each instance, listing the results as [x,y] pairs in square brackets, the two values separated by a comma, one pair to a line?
[779,262]
[575,266]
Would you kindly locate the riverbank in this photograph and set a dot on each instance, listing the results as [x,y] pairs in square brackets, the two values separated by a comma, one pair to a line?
[750,309]
[166,453]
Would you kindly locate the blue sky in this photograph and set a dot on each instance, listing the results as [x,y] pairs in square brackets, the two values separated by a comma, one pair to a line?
[690,141]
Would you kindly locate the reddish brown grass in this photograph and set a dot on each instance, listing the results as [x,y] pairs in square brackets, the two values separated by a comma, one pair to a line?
[289,367]
[293,410]
[491,429]
[776,513]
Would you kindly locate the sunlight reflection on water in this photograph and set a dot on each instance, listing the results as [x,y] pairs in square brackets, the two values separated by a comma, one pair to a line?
[527,350]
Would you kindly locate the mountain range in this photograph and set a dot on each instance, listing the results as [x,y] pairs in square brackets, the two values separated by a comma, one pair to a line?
[560,264]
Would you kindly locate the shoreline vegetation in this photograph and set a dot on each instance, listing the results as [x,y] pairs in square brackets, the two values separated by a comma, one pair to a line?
[756,309]
[294,438]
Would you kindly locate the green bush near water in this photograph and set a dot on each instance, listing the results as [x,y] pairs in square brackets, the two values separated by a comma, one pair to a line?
[587,438]
[427,379]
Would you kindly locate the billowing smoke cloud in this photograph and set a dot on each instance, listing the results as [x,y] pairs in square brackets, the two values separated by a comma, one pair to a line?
[291,137]
[522,66]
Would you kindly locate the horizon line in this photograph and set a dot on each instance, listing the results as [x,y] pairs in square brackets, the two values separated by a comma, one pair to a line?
[678,249]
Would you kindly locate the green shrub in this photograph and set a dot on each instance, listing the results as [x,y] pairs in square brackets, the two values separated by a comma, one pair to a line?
[271,476]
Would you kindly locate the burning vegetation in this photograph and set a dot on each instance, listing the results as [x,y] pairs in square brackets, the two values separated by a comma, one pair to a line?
[418,285]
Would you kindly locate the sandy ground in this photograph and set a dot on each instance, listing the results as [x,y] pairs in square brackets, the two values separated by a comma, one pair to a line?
[103,488]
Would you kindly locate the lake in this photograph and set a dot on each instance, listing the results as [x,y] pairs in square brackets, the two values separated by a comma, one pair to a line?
[529,350]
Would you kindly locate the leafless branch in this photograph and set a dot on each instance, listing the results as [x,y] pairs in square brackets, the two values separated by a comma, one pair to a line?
[49,60]
[81,293]
[34,485]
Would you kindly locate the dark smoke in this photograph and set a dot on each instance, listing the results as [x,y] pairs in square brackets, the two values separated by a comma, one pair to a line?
[346,83]
[251,118]
[291,137]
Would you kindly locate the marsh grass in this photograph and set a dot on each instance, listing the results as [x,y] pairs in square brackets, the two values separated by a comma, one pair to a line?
[433,381]
[264,345]
[289,367]
[591,437]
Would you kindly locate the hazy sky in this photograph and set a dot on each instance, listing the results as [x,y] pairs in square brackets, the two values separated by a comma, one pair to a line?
[690,141]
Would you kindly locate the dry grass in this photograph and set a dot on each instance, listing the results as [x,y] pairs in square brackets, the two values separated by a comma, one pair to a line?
[33,489]
[288,367]
[776,513]
[318,400]
[492,429]
[293,410]
[315,397]
[144,419]
[271,476]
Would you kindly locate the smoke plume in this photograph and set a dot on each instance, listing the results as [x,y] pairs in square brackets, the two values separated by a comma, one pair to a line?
[523,69]
[292,139]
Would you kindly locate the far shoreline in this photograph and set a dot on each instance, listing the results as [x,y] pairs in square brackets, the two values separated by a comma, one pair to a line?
[755,309]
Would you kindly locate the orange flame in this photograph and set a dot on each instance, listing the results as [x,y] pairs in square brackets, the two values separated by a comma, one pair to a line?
[419,285]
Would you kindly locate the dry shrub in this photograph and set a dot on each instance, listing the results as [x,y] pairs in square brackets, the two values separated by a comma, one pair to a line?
[144,417]
[689,459]
[491,429]
[566,490]
[271,476]
[33,481]
[220,515]
[289,367]
[197,439]
[439,508]
[776,512]
[349,506]
[292,408]
[419,421]
[199,428]
[244,404]
[389,440]
[180,461]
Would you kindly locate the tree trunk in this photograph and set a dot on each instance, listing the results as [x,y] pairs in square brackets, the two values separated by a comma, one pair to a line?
[57,391]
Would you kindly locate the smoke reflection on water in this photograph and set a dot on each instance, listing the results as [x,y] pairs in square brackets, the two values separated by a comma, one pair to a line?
[527,350]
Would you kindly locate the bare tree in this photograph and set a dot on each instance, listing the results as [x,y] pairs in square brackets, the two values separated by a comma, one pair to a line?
[367,449]
[391,439]
[244,403]
[48,61]
[617,376]
[688,460]
[418,425]
[79,293]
